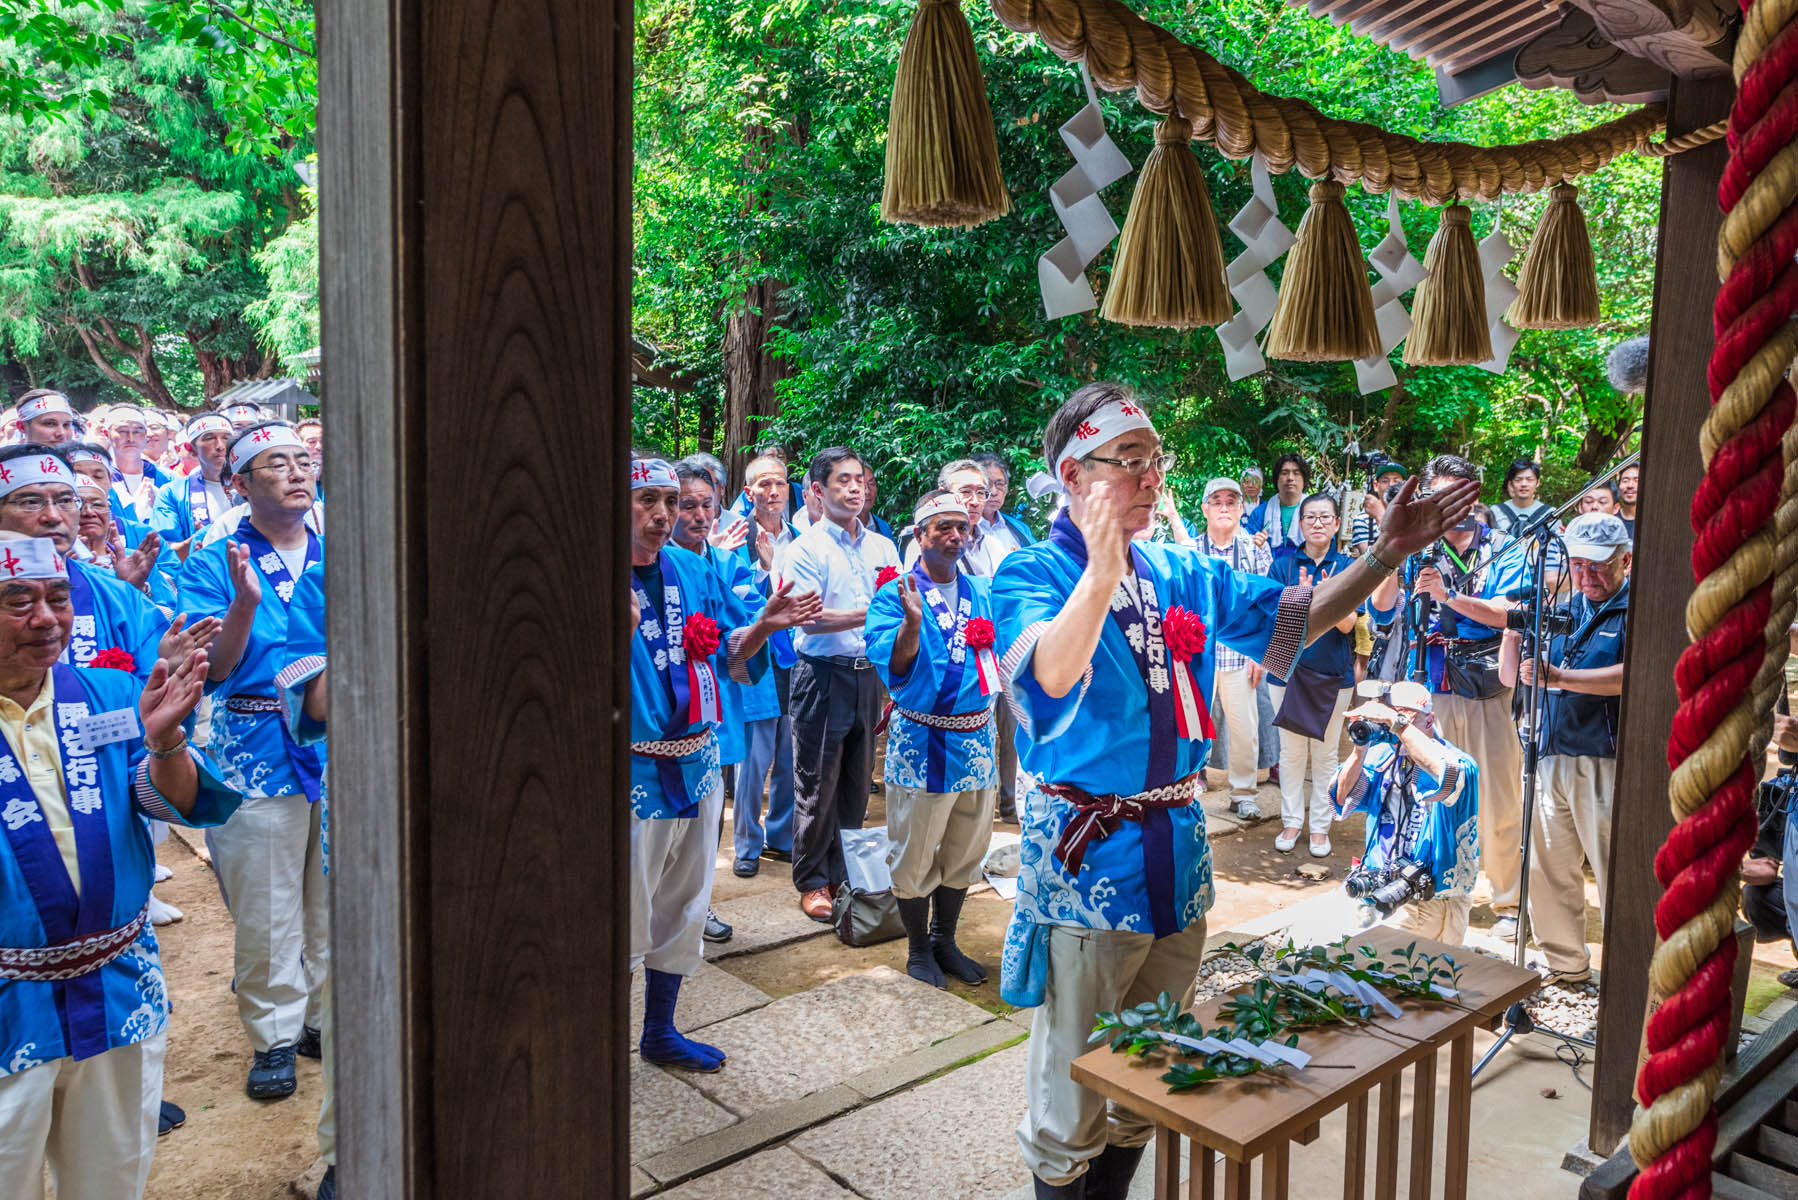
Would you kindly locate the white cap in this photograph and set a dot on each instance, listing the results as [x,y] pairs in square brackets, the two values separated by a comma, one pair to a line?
[1408,693]
[1220,484]
[1596,536]
[25,557]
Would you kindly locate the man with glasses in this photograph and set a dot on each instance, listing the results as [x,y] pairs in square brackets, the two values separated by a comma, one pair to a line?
[267,856]
[46,417]
[1236,678]
[994,521]
[186,508]
[1108,647]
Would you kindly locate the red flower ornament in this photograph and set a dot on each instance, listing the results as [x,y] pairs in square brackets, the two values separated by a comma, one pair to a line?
[979,634]
[1185,634]
[700,638]
[885,576]
[115,658]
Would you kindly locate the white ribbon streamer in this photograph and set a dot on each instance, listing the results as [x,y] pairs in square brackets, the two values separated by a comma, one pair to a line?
[1496,251]
[1061,271]
[1265,238]
[1399,272]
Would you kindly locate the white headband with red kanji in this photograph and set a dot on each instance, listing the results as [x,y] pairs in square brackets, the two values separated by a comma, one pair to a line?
[24,557]
[29,469]
[37,406]
[268,437]
[204,424]
[941,506]
[653,472]
[1113,420]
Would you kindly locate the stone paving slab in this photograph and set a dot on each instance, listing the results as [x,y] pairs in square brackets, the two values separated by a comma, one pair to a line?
[949,1137]
[641,1183]
[758,1131]
[762,920]
[814,1039]
[708,996]
[777,1174]
[666,1110]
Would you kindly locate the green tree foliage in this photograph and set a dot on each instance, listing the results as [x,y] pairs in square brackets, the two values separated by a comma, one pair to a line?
[760,128]
[132,231]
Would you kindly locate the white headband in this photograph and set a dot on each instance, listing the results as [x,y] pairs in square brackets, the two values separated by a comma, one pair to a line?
[30,558]
[37,406]
[268,437]
[942,506]
[234,411]
[29,469]
[79,455]
[123,413]
[653,472]
[1113,420]
[204,424]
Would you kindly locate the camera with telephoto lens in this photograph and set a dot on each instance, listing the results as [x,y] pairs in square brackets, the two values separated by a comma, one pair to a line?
[1366,733]
[1407,880]
[1554,620]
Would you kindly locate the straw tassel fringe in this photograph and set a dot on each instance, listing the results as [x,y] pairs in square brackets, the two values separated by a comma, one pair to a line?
[942,164]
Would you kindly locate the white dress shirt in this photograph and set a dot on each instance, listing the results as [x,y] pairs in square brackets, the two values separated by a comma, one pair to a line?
[841,569]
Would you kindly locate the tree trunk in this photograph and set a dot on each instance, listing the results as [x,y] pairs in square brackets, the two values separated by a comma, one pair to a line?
[219,371]
[1395,396]
[750,374]
[1600,442]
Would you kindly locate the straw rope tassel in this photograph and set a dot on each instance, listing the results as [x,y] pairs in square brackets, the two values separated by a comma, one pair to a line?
[942,164]
[1325,312]
[1746,515]
[1170,263]
[1449,326]
[1558,286]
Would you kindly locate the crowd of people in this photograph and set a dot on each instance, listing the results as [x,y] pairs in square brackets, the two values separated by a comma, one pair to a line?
[1077,683]
[161,662]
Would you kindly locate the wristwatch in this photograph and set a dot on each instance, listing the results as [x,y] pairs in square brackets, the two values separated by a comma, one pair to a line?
[1399,726]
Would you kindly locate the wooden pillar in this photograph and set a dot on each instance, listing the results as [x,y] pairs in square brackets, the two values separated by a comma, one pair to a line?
[476,249]
[1677,402]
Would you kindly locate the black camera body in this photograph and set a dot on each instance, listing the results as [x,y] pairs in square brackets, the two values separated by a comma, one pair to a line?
[1390,890]
[1366,733]
[1555,621]
[1371,462]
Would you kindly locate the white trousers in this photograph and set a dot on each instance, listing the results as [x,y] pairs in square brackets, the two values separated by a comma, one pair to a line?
[1485,731]
[1572,827]
[671,887]
[1234,700]
[1299,755]
[1090,971]
[937,839]
[93,1122]
[1443,919]
[271,872]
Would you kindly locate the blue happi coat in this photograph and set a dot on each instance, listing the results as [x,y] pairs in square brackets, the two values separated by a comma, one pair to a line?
[943,681]
[255,750]
[761,699]
[1115,734]
[174,517]
[109,797]
[663,789]
[1443,835]
[111,614]
[738,579]
[301,661]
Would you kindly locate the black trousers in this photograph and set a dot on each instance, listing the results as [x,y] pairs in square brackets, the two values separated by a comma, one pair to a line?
[834,709]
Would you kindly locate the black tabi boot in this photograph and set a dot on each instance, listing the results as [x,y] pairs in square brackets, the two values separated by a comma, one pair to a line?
[1109,1176]
[1061,1191]
[920,963]
[948,902]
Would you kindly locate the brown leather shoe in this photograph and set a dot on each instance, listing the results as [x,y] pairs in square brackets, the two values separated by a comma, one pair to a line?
[816,905]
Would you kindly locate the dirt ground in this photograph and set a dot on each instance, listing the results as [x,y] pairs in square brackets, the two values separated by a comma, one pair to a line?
[232,1147]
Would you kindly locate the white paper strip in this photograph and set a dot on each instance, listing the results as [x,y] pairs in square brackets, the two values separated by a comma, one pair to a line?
[1061,272]
[1242,357]
[1264,240]
[1374,374]
[1291,1054]
[1496,252]
[1249,1049]
[1204,1045]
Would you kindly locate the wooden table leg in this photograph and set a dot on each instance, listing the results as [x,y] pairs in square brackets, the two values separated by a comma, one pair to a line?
[1460,1116]
[1354,1154]
[1201,1183]
[1385,1174]
[1167,1164]
[1236,1180]
[1275,1167]
[1423,1126]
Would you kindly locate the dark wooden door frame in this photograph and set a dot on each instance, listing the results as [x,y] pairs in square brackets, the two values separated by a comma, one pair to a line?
[475,260]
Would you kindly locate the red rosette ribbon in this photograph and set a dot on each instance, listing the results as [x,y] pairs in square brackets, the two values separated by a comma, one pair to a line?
[978,635]
[1184,633]
[700,640]
[113,658]
[885,576]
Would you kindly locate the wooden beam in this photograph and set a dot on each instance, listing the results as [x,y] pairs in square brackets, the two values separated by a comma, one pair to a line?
[475,263]
[1677,402]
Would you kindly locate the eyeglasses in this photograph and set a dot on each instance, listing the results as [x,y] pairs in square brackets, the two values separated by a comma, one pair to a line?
[1323,518]
[31,506]
[1138,467]
[972,492]
[284,464]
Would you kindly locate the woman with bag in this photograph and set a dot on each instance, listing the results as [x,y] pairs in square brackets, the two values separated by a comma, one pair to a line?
[1312,701]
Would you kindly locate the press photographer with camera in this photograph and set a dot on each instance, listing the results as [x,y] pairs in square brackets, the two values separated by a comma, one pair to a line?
[1451,601]
[1576,745]
[1421,797]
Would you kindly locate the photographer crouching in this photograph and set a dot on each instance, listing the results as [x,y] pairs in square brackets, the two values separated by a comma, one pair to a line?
[1453,601]
[1421,796]
[1577,744]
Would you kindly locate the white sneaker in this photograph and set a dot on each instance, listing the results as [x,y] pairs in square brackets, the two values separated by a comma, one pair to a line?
[162,912]
[1505,929]
[1287,839]
[1320,850]
[1246,808]
[161,873]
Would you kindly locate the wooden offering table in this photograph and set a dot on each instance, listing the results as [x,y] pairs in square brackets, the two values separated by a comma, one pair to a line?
[1260,1116]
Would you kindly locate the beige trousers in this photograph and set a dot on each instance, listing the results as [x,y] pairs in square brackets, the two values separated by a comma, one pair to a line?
[1443,919]
[671,887]
[93,1122]
[937,839]
[1572,827]
[1484,729]
[1091,971]
[1303,804]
